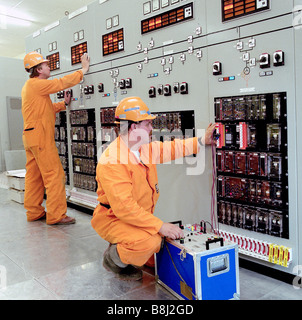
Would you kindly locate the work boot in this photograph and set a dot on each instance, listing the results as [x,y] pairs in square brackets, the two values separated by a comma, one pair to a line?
[113,263]
[130,273]
[66,220]
[108,264]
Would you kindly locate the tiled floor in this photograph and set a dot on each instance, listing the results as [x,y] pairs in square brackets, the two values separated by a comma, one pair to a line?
[64,262]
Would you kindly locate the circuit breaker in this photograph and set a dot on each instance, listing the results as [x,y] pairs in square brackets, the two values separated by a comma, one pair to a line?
[61,142]
[83,148]
[168,126]
[109,130]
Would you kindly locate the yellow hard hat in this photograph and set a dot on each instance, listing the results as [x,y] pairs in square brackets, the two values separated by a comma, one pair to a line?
[133,109]
[33,59]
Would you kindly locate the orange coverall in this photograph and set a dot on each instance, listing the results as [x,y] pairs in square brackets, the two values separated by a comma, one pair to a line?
[131,189]
[43,166]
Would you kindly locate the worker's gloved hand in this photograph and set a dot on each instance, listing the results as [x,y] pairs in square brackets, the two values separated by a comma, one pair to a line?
[171,231]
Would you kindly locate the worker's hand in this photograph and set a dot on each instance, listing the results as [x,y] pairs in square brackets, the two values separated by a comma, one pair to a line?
[85,60]
[171,231]
[67,96]
[208,137]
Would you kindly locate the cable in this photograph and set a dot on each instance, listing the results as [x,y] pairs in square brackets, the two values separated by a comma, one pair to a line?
[212,229]
[214,224]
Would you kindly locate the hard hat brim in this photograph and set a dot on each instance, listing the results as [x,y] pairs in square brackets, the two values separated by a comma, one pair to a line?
[28,69]
[150,117]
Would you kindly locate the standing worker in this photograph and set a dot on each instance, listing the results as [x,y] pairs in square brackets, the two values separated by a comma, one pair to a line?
[43,166]
[128,190]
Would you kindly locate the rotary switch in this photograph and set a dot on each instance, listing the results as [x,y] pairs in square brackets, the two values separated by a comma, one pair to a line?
[183,88]
[167,90]
[101,87]
[160,89]
[278,58]
[217,68]
[265,60]
[152,92]
[128,83]
[122,84]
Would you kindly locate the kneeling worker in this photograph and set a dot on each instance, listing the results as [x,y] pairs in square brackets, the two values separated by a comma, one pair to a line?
[128,190]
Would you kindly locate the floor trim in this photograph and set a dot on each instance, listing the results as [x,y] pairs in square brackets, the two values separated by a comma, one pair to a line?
[267,271]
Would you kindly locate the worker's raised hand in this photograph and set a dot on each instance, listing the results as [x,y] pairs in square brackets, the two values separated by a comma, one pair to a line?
[85,60]
[171,231]
[67,96]
[208,137]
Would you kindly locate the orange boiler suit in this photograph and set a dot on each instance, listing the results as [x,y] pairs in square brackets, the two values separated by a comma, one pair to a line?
[129,189]
[43,166]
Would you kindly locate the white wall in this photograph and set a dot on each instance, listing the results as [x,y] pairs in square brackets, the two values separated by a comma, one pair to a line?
[12,79]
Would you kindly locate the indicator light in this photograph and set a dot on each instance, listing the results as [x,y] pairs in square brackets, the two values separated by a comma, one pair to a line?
[167,18]
[77,52]
[54,61]
[113,42]
[233,8]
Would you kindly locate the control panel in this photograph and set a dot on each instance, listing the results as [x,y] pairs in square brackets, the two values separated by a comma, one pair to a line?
[251,162]
[197,239]
[198,242]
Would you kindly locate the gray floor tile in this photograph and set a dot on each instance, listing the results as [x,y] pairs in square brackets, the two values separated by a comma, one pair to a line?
[255,286]
[91,281]
[64,263]
[26,290]
[13,272]
[284,292]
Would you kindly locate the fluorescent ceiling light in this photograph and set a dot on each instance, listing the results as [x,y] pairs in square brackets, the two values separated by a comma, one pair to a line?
[13,17]
[8,20]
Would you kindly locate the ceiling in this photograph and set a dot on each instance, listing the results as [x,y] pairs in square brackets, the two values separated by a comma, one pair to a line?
[21,18]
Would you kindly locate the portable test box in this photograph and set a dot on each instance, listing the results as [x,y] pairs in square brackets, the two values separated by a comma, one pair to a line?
[202,266]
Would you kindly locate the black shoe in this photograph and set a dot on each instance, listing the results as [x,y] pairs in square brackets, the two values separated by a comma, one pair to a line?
[130,273]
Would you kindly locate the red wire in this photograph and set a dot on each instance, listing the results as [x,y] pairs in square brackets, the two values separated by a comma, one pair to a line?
[213,194]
